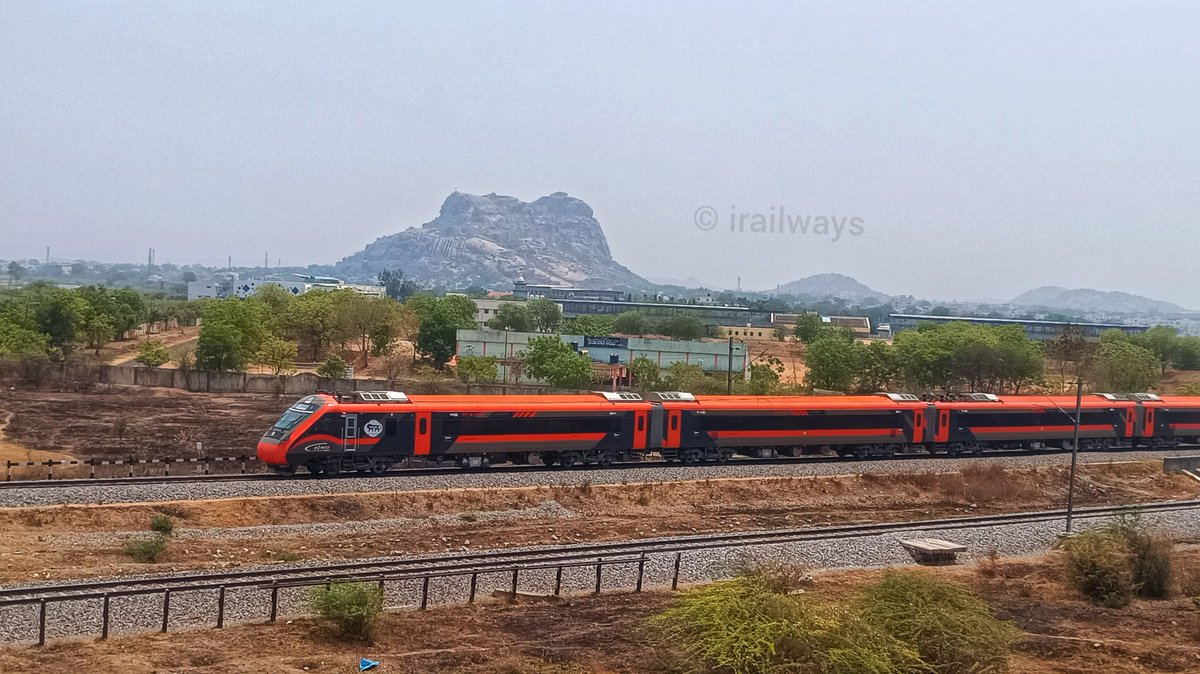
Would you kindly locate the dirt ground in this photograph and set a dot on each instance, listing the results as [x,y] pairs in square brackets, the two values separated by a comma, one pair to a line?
[86,541]
[117,422]
[609,635]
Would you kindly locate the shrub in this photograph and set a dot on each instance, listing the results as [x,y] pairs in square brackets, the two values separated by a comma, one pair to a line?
[951,627]
[283,556]
[353,607]
[334,367]
[162,524]
[1098,566]
[1151,555]
[146,550]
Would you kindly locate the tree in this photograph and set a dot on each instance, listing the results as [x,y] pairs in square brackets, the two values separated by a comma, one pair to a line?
[313,318]
[20,341]
[644,373]
[396,286]
[1121,366]
[683,326]
[365,318]
[555,363]
[546,315]
[1163,342]
[334,367]
[478,369]
[594,325]
[96,329]
[831,364]
[277,355]
[1069,346]
[230,334]
[876,367]
[189,276]
[153,353]
[690,377]
[15,272]
[440,320]
[513,316]
[631,323]
[809,327]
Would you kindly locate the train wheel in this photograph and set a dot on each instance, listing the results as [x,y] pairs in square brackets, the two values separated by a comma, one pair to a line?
[724,455]
[379,466]
[333,467]
[691,457]
[974,448]
[955,449]
[570,459]
[314,467]
[605,459]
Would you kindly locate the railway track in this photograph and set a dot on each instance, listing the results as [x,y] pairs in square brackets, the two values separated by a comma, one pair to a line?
[67,482]
[482,562]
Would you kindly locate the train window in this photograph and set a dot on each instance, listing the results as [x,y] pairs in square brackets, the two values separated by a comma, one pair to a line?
[389,427]
[641,423]
[675,423]
[423,427]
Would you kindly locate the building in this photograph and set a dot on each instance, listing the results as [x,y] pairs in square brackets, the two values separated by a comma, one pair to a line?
[523,290]
[858,326]
[295,284]
[1035,329]
[709,314]
[605,350]
[485,310]
[749,333]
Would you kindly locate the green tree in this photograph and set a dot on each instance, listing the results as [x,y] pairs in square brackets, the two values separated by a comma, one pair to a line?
[153,353]
[1068,347]
[277,355]
[334,367]
[691,377]
[440,320]
[364,317]
[513,316]
[546,315]
[831,365]
[555,363]
[1187,356]
[631,323]
[644,373]
[1163,342]
[96,328]
[230,334]
[396,285]
[478,369]
[58,316]
[876,367]
[313,319]
[809,327]
[15,272]
[20,341]
[683,326]
[1121,366]
[594,325]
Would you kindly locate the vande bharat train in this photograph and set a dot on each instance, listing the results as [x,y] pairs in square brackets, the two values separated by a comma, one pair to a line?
[370,431]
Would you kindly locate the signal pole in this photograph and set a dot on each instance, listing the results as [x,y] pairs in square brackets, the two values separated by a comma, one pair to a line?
[1074,452]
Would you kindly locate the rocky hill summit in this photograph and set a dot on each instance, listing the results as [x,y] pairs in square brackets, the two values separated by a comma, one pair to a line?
[490,240]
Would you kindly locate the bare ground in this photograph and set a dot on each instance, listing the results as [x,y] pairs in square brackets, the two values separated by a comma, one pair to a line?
[609,635]
[71,541]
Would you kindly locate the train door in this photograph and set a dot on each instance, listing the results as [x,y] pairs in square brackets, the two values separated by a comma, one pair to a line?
[674,422]
[943,426]
[423,431]
[1129,424]
[1149,430]
[350,433]
[918,434]
[640,430]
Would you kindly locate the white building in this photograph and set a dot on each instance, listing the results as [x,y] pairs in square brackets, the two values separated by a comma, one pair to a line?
[297,284]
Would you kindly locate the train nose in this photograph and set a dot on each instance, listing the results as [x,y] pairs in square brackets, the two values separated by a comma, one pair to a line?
[272,452]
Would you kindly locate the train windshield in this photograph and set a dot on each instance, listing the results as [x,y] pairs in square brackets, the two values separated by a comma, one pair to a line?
[295,414]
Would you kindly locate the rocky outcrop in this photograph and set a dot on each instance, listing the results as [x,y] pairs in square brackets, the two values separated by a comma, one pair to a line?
[490,240]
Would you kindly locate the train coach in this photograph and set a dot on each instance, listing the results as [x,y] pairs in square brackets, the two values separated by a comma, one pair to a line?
[370,431]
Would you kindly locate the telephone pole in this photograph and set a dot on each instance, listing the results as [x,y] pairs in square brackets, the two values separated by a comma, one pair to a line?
[1074,452]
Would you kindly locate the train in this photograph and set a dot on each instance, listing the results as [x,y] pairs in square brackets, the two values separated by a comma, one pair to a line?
[372,431]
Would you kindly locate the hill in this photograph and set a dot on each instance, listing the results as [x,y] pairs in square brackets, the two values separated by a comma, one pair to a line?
[1092,301]
[490,240]
[825,286]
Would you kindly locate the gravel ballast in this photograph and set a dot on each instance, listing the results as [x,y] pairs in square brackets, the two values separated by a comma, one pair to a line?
[198,608]
[500,478]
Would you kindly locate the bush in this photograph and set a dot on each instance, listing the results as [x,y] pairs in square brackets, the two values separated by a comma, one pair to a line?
[951,627]
[162,524]
[353,607]
[1098,566]
[334,367]
[1151,556]
[146,550]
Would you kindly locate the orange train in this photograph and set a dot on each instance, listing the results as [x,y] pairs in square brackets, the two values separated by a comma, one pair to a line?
[370,431]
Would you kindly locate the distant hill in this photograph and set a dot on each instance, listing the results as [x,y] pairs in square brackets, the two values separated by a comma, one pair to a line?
[1088,300]
[490,240]
[826,286]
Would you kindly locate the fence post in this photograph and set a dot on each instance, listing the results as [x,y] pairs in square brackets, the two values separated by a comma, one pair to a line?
[206,465]
[675,574]
[42,622]
[599,566]
[641,571]
[243,458]
[274,601]
[166,608]
[221,607]
[104,619]
[558,582]
[49,469]
[425,593]
[167,467]
[516,571]
[474,581]
[130,465]
[8,471]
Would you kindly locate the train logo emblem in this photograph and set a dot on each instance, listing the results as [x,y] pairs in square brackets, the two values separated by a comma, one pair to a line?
[373,428]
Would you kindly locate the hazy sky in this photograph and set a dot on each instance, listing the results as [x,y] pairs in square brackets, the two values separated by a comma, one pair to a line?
[987,147]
